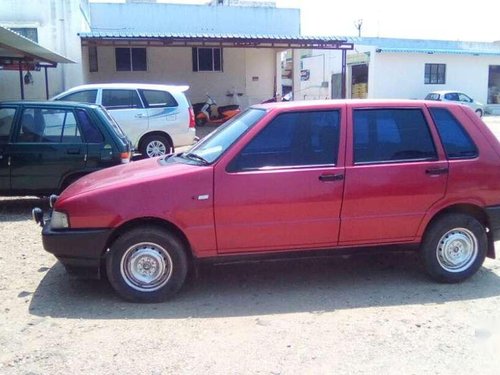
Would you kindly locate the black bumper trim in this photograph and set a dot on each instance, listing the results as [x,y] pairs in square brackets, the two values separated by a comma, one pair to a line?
[79,250]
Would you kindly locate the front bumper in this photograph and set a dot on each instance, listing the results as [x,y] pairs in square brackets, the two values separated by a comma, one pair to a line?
[79,250]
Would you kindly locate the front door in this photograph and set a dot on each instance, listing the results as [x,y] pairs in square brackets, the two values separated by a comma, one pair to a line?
[394,174]
[283,190]
[6,123]
[127,109]
[48,146]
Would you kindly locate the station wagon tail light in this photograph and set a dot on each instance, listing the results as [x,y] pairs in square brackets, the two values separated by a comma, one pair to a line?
[192,122]
[125,157]
[59,220]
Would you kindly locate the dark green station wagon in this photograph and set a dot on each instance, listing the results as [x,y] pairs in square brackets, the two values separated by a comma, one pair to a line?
[45,146]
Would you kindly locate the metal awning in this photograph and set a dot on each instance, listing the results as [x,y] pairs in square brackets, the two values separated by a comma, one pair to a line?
[20,53]
[212,40]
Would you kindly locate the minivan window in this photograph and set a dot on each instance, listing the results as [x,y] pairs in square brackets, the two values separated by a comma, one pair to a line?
[87,96]
[121,99]
[157,98]
[456,142]
[6,120]
[293,140]
[391,135]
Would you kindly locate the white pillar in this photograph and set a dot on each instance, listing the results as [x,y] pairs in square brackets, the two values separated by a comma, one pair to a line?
[296,74]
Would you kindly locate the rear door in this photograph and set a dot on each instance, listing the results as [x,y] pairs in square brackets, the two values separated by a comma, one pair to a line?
[48,146]
[163,112]
[127,109]
[7,115]
[396,171]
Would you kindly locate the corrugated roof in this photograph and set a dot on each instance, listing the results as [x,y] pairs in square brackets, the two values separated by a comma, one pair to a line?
[15,46]
[394,45]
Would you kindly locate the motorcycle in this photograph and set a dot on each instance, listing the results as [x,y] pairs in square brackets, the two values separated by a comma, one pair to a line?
[204,112]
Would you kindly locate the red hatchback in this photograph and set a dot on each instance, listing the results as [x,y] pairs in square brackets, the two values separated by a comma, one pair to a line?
[289,177]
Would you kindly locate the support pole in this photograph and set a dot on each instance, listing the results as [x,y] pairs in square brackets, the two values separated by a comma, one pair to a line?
[344,73]
[46,83]
[21,78]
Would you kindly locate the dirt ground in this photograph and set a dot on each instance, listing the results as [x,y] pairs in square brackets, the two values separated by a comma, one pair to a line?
[364,314]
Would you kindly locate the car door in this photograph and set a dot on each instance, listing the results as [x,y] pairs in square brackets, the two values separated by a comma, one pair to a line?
[48,146]
[164,112]
[7,115]
[396,170]
[127,109]
[283,189]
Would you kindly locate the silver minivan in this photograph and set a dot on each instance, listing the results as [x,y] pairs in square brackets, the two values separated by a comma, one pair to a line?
[156,118]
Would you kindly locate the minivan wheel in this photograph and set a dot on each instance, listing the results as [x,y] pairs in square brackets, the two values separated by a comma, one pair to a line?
[454,248]
[147,264]
[155,145]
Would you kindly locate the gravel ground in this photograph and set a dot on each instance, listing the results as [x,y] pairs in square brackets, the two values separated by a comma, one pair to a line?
[364,314]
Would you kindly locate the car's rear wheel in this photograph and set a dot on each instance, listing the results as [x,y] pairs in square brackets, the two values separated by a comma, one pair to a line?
[155,145]
[147,264]
[479,112]
[201,121]
[454,247]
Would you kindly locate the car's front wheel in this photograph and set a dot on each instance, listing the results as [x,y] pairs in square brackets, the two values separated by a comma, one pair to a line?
[147,264]
[454,247]
[155,145]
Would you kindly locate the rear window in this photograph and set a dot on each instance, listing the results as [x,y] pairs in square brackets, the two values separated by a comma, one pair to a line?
[158,98]
[456,142]
[432,96]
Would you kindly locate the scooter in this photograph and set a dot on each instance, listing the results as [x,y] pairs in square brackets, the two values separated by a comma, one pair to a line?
[204,112]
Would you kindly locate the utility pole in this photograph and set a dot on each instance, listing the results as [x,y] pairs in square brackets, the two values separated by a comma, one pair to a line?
[358,25]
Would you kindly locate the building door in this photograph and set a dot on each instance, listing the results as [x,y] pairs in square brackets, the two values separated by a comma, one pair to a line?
[359,81]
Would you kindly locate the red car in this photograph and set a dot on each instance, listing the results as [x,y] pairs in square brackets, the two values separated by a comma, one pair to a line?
[289,177]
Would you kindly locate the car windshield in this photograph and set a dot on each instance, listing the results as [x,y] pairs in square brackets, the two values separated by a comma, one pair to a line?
[216,143]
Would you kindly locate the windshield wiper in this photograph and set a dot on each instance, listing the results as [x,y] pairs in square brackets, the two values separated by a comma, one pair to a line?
[192,156]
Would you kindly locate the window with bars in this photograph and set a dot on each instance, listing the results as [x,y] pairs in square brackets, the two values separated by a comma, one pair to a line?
[435,74]
[130,59]
[207,59]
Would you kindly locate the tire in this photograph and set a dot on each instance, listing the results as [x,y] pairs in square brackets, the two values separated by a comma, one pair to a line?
[155,145]
[201,121]
[147,264]
[454,248]
[479,112]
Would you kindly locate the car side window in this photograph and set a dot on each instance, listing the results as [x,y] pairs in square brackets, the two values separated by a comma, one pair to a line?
[48,126]
[90,131]
[456,142]
[86,96]
[121,99]
[293,140]
[464,98]
[6,121]
[157,98]
[451,96]
[391,135]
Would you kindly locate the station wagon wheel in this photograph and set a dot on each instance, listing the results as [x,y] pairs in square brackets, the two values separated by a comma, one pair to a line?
[454,247]
[155,145]
[147,264]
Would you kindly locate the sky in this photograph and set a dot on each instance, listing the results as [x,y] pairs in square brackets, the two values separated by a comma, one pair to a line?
[477,20]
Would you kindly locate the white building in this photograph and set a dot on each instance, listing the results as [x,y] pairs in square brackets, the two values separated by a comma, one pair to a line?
[54,24]
[406,68]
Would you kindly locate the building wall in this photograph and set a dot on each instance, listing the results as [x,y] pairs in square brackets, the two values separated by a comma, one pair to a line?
[402,75]
[177,18]
[173,65]
[57,22]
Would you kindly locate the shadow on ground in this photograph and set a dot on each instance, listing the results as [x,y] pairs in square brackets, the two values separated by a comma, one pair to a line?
[291,286]
[19,208]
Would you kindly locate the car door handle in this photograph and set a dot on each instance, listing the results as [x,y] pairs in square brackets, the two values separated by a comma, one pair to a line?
[139,115]
[73,151]
[331,177]
[436,171]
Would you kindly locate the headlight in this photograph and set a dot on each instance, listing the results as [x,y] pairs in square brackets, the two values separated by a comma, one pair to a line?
[59,220]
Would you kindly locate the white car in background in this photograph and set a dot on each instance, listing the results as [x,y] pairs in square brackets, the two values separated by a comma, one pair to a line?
[457,96]
[156,118]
